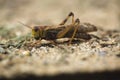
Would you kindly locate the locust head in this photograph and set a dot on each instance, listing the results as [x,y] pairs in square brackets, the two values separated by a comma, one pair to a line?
[37,31]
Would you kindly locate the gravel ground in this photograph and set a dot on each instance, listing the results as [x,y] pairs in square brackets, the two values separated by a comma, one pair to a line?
[96,55]
[82,59]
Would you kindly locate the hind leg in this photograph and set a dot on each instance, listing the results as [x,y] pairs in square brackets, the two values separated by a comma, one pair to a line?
[77,23]
[67,29]
[66,19]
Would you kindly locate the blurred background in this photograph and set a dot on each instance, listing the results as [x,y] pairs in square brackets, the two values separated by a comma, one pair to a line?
[103,13]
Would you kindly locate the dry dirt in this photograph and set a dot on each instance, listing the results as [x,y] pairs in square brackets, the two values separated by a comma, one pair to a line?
[99,56]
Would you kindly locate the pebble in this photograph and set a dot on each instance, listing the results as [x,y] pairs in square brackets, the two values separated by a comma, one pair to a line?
[2,50]
[102,53]
[26,53]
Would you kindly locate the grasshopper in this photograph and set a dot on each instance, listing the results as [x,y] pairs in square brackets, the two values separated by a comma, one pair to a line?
[73,30]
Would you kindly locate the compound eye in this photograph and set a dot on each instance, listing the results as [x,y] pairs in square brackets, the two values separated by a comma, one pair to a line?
[36,29]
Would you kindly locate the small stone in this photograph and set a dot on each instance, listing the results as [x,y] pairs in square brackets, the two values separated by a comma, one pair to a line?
[26,53]
[2,50]
[118,55]
[105,39]
[102,53]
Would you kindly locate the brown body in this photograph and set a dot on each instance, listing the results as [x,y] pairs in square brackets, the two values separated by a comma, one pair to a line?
[73,30]
[82,31]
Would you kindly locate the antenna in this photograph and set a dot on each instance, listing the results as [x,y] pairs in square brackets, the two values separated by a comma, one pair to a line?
[24,24]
